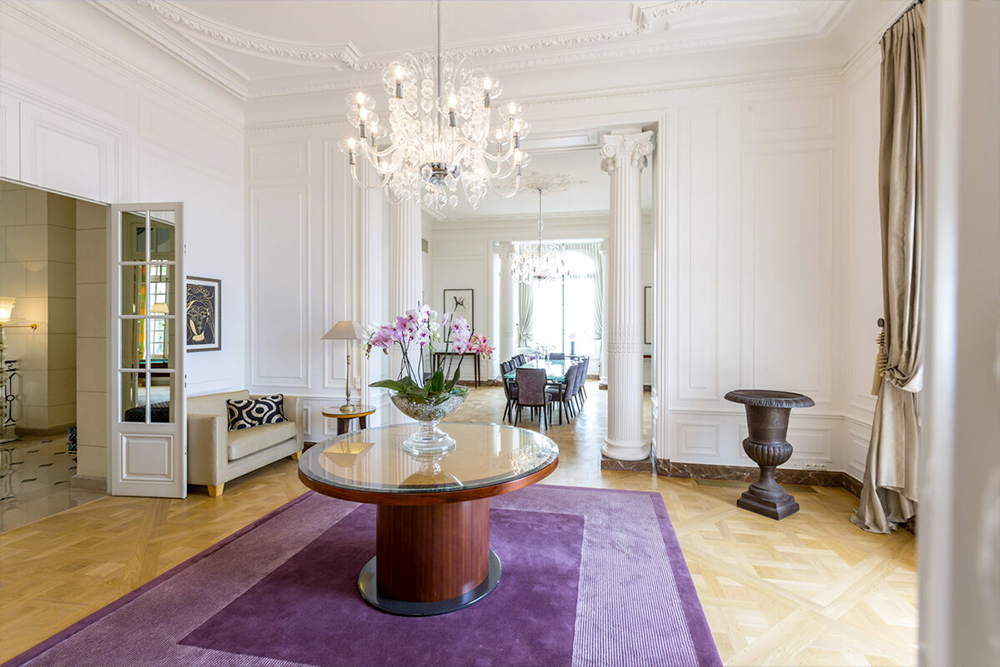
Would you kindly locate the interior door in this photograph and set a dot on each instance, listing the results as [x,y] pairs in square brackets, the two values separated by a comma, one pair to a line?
[147,416]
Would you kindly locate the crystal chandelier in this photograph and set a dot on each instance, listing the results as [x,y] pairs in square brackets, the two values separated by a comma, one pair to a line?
[539,262]
[439,133]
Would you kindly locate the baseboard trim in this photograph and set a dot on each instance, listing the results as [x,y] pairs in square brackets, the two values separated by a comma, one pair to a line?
[748,474]
[88,483]
[51,430]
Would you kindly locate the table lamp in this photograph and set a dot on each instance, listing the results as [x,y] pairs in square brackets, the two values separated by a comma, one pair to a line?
[347,331]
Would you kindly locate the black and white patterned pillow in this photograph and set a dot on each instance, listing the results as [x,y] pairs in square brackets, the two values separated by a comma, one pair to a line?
[247,413]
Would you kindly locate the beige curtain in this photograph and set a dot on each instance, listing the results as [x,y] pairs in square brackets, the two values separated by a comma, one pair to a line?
[889,494]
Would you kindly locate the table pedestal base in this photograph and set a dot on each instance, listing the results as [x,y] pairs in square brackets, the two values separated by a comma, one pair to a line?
[368,586]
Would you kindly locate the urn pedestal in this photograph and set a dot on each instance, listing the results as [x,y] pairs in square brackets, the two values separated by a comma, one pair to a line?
[767,424]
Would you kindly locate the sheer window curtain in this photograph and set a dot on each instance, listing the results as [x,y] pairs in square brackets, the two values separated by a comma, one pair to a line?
[889,493]
[525,306]
[592,249]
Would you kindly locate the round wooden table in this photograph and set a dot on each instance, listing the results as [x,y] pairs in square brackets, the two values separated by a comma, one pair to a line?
[432,552]
[344,418]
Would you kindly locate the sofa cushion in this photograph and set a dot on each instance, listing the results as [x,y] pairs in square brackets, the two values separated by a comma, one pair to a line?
[251,440]
[252,412]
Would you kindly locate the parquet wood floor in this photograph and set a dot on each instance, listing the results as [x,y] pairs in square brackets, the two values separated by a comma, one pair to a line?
[809,590]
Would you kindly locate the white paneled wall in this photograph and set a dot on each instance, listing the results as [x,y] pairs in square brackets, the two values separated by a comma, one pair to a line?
[316,256]
[862,260]
[100,118]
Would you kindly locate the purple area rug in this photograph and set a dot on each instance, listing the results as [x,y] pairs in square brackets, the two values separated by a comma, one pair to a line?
[590,577]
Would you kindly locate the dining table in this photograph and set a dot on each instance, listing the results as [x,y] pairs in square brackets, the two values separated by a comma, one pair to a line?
[555,369]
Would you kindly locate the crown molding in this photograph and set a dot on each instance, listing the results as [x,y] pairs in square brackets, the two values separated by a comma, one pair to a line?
[534,52]
[202,60]
[338,56]
[29,13]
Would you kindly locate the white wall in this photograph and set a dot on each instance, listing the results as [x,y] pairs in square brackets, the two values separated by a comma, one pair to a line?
[92,111]
[317,254]
[860,250]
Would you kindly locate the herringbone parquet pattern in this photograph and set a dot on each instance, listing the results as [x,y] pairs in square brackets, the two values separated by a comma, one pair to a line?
[809,590]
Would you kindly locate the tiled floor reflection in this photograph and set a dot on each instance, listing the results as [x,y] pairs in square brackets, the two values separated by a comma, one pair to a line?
[36,481]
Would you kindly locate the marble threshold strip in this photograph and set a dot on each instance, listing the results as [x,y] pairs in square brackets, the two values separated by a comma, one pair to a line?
[668,468]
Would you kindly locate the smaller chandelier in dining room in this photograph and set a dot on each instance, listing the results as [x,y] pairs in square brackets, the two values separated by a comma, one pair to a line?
[539,262]
[439,133]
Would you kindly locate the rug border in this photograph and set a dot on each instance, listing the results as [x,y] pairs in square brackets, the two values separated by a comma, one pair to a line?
[697,622]
[114,605]
[701,634]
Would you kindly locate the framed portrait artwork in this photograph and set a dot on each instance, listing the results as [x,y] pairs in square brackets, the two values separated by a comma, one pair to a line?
[459,302]
[203,314]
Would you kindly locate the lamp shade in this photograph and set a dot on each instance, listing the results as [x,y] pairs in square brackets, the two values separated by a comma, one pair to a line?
[6,306]
[345,330]
[159,309]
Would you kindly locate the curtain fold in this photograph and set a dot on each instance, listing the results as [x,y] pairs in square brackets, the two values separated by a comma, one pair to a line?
[889,492]
[525,306]
[592,249]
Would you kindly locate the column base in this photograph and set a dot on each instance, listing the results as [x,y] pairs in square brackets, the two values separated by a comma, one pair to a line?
[645,465]
[625,451]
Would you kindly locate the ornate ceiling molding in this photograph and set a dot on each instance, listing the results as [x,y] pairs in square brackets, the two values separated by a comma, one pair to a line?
[339,56]
[548,182]
[348,57]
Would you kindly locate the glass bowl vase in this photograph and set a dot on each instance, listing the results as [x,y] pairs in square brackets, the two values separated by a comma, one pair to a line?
[428,412]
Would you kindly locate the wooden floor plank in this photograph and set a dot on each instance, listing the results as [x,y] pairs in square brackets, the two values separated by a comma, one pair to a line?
[811,589]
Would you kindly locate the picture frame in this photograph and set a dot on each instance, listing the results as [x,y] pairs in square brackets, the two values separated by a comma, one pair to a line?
[203,314]
[648,311]
[460,302]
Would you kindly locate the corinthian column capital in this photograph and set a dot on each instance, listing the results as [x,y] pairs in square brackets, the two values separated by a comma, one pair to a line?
[503,249]
[626,149]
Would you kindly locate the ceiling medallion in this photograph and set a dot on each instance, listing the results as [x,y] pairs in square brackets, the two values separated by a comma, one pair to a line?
[439,133]
[539,262]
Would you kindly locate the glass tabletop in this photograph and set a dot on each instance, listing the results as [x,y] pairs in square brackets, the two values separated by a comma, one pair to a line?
[555,369]
[374,460]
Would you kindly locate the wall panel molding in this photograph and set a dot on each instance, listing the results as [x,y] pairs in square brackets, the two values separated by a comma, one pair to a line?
[280,289]
[787,272]
[285,159]
[70,153]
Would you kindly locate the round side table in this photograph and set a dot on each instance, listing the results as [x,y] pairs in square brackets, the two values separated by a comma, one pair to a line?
[344,418]
[767,423]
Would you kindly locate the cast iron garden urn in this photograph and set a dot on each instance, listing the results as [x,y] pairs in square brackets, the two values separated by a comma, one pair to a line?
[767,424]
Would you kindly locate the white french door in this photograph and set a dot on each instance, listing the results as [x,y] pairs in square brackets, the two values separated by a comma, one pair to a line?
[147,406]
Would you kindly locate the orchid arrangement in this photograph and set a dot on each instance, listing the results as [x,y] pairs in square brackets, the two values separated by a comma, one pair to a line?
[418,331]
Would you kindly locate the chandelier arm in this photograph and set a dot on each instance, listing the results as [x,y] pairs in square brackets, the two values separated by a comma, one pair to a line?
[354,174]
[505,195]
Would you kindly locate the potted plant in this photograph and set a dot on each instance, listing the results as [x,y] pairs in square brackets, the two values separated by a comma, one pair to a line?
[432,396]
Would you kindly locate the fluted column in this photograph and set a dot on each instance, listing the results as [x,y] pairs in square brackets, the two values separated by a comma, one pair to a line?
[405,274]
[406,263]
[506,332]
[624,159]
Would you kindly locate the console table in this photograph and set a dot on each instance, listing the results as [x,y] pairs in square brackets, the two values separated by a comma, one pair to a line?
[439,358]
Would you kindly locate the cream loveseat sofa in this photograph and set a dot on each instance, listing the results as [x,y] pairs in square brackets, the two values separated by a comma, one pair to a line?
[217,455]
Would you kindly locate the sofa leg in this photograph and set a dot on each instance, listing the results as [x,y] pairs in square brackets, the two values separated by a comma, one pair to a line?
[296,456]
[214,491]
